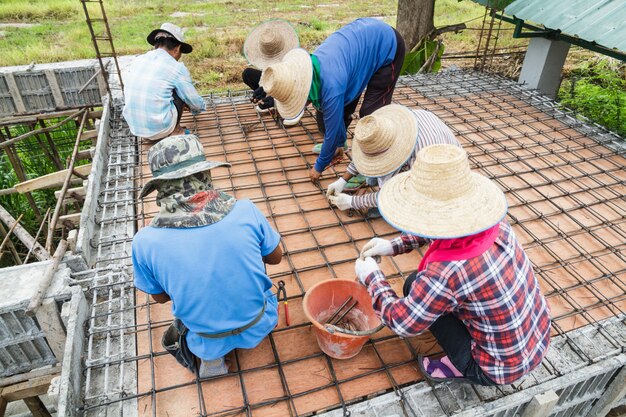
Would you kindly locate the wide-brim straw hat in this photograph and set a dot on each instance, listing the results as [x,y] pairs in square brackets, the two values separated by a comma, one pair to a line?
[289,82]
[173,31]
[174,157]
[268,43]
[440,198]
[384,140]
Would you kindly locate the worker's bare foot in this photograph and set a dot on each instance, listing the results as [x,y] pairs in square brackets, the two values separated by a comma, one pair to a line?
[179,130]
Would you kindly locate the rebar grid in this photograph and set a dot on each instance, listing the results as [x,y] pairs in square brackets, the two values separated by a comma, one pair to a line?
[564,180]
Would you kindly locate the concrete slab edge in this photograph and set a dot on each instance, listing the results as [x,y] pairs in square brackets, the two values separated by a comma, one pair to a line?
[426,400]
[88,214]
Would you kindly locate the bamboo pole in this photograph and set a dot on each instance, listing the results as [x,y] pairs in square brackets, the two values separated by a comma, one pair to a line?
[46,218]
[23,235]
[43,130]
[66,184]
[35,302]
[7,241]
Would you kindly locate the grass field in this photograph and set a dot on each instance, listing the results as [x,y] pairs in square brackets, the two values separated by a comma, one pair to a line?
[55,30]
[216,29]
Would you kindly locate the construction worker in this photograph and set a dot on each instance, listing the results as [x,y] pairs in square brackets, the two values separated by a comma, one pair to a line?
[266,44]
[474,289]
[157,87]
[365,55]
[385,143]
[206,252]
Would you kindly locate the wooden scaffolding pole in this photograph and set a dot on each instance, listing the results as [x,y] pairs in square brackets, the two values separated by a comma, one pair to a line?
[42,130]
[50,150]
[46,218]
[16,163]
[7,241]
[23,235]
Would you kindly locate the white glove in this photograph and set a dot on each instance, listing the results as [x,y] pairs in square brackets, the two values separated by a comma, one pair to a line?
[341,201]
[377,247]
[336,187]
[364,267]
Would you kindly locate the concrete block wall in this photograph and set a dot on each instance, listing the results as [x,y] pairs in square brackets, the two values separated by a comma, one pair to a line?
[31,89]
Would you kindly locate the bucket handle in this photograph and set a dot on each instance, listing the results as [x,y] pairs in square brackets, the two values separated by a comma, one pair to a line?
[331,328]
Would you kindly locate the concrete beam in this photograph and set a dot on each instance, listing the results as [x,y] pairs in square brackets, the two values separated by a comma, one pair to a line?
[15,93]
[614,393]
[543,64]
[54,88]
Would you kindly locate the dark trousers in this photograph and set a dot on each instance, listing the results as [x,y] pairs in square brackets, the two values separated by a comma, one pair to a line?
[251,77]
[179,104]
[379,89]
[454,338]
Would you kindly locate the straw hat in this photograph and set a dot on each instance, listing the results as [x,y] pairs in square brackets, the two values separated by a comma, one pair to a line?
[289,82]
[384,140]
[268,43]
[176,157]
[170,30]
[440,197]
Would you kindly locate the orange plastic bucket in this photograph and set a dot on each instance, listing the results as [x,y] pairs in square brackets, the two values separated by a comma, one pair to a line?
[323,299]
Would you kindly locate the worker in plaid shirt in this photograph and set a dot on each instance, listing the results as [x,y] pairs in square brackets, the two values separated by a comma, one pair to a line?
[474,289]
[158,87]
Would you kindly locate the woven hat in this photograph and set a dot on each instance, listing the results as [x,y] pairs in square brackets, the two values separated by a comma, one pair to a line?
[170,30]
[384,140]
[268,43]
[175,157]
[289,82]
[440,197]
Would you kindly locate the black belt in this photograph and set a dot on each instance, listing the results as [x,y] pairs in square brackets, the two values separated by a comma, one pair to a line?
[236,331]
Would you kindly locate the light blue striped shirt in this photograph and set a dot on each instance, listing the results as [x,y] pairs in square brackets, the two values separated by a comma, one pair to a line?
[148,86]
[431,131]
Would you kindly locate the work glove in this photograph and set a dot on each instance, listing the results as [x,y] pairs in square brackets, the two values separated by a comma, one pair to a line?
[341,201]
[336,187]
[377,247]
[364,267]
[258,94]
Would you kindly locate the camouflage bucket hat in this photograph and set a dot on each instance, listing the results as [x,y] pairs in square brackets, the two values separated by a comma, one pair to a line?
[176,157]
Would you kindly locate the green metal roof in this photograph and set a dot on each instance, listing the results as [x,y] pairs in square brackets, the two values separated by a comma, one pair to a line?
[599,21]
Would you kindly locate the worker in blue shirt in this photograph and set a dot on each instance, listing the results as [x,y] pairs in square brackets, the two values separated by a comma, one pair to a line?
[365,55]
[206,252]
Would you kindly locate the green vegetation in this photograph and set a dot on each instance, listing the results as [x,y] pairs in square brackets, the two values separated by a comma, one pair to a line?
[597,89]
[216,29]
[35,163]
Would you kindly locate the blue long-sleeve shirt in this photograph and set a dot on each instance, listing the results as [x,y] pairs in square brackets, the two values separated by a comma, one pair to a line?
[348,58]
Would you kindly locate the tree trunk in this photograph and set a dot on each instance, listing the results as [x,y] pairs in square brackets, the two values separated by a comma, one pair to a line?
[415,20]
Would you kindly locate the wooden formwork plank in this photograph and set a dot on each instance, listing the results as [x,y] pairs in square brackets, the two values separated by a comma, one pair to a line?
[33,387]
[51,180]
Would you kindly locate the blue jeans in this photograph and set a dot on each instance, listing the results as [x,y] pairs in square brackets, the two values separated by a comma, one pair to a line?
[454,338]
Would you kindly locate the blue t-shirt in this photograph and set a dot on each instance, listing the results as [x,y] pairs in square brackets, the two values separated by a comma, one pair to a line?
[214,275]
[348,59]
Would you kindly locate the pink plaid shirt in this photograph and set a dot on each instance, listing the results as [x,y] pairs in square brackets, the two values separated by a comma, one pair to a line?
[495,294]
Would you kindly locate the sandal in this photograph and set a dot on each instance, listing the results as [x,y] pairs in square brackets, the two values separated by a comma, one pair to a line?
[434,365]
[354,183]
